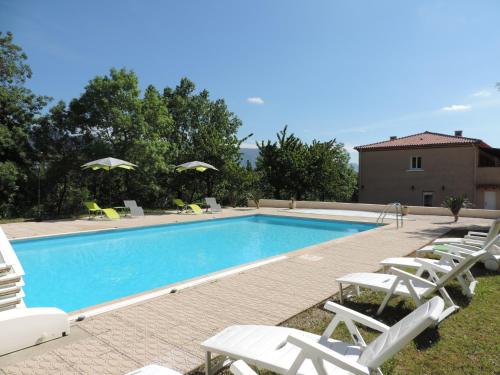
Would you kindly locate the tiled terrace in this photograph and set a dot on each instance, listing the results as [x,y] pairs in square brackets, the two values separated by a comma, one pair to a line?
[167,330]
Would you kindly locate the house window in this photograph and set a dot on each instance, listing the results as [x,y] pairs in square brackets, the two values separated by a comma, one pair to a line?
[416,162]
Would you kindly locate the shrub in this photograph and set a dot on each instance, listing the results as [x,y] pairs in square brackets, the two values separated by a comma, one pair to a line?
[455,204]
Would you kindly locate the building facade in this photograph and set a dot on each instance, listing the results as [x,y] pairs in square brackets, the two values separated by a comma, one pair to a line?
[423,169]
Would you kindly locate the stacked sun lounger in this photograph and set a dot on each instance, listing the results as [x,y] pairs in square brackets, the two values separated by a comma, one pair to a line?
[20,326]
[11,276]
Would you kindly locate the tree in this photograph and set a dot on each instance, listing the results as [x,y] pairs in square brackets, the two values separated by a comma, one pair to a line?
[58,159]
[154,151]
[293,169]
[19,110]
[284,165]
[109,118]
[41,155]
[205,130]
[330,177]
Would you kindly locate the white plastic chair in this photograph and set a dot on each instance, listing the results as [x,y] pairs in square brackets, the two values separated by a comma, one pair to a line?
[291,351]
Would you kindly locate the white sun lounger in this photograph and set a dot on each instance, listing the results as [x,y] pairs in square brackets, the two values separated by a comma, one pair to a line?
[291,351]
[134,209]
[21,327]
[405,284]
[473,238]
[448,260]
[213,206]
[491,260]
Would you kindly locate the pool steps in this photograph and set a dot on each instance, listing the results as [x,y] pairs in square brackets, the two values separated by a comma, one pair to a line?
[23,326]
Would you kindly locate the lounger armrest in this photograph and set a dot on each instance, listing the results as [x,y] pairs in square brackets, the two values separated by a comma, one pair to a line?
[241,368]
[477,234]
[458,256]
[318,352]
[474,241]
[428,264]
[461,249]
[425,249]
[408,276]
[345,312]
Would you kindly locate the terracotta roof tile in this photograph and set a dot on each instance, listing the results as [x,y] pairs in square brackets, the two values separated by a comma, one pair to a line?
[425,139]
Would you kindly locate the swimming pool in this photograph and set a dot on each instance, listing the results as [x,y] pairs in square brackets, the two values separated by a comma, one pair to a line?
[77,271]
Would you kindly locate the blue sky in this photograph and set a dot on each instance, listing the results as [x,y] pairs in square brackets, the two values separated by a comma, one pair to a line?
[357,71]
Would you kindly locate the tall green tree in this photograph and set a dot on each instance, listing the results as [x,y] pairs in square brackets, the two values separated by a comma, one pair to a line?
[284,165]
[19,110]
[206,131]
[291,168]
[329,174]
[153,151]
[62,185]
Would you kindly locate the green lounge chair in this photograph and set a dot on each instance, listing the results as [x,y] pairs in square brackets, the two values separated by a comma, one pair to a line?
[195,208]
[181,206]
[93,208]
[96,211]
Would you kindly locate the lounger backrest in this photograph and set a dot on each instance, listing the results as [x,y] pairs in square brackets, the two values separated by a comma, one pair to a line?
[91,205]
[8,255]
[463,266]
[130,204]
[179,202]
[494,247]
[211,201]
[401,333]
[494,230]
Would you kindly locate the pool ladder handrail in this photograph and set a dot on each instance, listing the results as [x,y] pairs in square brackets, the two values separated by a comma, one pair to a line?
[398,208]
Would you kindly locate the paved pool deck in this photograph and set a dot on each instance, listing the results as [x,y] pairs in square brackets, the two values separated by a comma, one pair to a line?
[167,330]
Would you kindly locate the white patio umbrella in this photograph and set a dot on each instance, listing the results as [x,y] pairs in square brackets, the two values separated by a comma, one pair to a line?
[108,164]
[196,165]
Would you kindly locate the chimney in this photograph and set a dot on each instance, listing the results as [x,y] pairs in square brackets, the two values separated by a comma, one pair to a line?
[393,137]
[458,133]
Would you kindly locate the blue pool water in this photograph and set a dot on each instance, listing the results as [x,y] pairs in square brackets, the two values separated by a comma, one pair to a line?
[77,271]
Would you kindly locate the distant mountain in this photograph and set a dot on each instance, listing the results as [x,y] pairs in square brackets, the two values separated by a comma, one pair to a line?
[249,154]
[355,166]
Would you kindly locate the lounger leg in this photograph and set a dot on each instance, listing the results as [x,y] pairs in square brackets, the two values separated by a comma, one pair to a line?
[341,292]
[447,299]
[358,292]
[469,276]
[384,303]
[465,288]
[208,364]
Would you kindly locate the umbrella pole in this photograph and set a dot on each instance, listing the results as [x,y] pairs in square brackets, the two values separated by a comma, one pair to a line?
[109,180]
